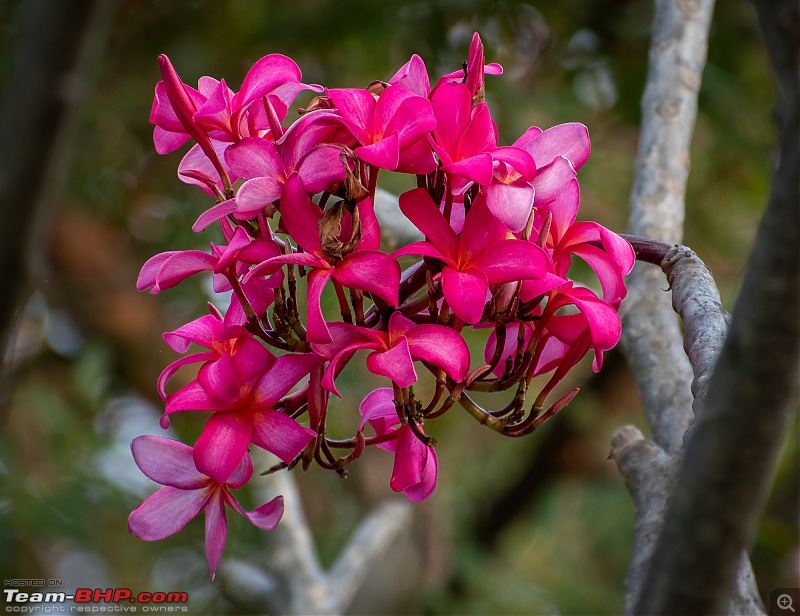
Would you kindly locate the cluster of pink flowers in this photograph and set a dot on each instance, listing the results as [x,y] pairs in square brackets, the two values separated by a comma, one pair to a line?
[295,205]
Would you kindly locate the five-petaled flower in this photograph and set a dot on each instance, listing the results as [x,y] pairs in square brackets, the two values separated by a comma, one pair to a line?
[187,491]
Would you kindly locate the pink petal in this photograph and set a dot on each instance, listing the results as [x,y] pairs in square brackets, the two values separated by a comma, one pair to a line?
[223,443]
[320,168]
[479,136]
[512,260]
[167,462]
[182,265]
[165,513]
[417,158]
[357,108]
[280,434]
[411,120]
[168,372]
[241,475]
[420,209]
[220,380]
[427,483]
[250,359]
[149,272]
[384,153]
[414,76]
[396,364]
[267,516]
[518,158]
[477,168]
[166,141]
[551,179]
[452,106]
[213,214]
[190,397]
[370,229]
[216,532]
[481,230]
[410,459]
[607,272]
[511,205]
[256,194]
[442,347]
[204,331]
[378,409]
[465,293]
[316,329]
[266,75]
[254,157]
[300,215]
[569,140]
[371,271]
[425,249]
[284,374]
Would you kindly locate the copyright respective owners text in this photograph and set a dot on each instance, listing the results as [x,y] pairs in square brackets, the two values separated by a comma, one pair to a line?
[57,596]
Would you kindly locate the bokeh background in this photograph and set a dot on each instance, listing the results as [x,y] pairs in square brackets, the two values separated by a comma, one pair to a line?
[536,525]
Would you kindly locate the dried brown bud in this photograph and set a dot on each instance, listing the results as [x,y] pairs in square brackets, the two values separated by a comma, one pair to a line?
[332,242]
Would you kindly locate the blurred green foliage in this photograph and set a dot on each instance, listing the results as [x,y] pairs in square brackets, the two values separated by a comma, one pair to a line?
[89,348]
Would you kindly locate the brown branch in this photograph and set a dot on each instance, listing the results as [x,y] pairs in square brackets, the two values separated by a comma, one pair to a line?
[731,450]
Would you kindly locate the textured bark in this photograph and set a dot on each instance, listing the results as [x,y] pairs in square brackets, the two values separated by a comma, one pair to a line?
[731,450]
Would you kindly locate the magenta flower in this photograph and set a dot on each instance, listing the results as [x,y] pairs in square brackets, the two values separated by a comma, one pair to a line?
[233,347]
[365,268]
[395,351]
[187,492]
[480,257]
[390,130]
[243,412]
[415,463]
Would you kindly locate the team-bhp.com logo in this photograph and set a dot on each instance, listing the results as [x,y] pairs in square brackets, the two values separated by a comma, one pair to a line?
[93,600]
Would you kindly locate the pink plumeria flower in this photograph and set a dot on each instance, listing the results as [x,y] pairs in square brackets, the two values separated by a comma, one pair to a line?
[187,492]
[390,130]
[394,352]
[243,412]
[480,257]
[365,268]
[233,347]
[415,463]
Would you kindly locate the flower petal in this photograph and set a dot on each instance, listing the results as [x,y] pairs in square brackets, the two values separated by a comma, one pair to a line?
[280,434]
[371,271]
[420,209]
[267,516]
[219,450]
[167,462]
[216,532]
[396,363]
[284,374]
[165,513]
[512,260]
[465,293]
[441,346]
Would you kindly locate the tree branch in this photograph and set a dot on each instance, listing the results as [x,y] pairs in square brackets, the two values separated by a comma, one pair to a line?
[294,581]
[651,337]
[732,448]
